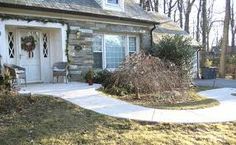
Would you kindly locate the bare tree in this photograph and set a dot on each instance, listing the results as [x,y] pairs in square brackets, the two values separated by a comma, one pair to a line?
[156,4]
[164,6]
[233,26]
[181,9]
[204,29]
[187,14]
[150,5]
[198,20]
[210,23]
[225,40]
[171,5]
[146,5]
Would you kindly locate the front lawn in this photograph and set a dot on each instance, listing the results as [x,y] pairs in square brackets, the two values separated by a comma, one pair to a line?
[48,120]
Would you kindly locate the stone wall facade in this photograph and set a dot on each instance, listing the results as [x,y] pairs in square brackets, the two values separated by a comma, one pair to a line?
[81,37]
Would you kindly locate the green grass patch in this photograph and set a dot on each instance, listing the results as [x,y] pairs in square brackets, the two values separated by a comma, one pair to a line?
[53,121]
[190,101]
[203,88]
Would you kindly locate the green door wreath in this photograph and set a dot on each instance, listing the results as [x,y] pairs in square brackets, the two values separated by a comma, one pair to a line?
[28,44]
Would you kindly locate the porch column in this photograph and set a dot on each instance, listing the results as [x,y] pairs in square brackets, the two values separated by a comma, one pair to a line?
[3,45]
[63,42]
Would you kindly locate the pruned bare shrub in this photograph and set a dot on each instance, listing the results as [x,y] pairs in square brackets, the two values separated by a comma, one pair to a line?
[145,74]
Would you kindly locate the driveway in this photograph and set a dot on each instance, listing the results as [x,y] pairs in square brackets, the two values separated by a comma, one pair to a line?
[87,97]
[219,83]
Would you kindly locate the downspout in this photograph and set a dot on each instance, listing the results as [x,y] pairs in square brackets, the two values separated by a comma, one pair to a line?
[151,34]
[198,64]
[154,27]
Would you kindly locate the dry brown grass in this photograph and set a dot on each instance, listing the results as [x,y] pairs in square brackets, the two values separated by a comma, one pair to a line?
[52,121]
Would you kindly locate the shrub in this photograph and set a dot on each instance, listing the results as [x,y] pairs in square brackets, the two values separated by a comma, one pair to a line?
[231,59]
[208,63]
[101,76]
[5,85]
[176,49]
[145,74]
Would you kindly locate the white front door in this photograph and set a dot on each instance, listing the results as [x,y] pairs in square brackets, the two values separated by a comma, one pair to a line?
[30,60]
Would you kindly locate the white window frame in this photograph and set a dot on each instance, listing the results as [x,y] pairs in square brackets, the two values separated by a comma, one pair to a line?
[113,4]
[113,7]
[104,63]
[137,44]
[102,51]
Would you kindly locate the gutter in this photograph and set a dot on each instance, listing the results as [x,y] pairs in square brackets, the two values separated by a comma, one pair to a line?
[27,7]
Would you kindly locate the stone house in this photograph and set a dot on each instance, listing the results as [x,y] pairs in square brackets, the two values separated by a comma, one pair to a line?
[95,34]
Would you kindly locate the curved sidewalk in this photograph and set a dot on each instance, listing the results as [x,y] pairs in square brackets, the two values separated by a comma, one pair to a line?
[87,97]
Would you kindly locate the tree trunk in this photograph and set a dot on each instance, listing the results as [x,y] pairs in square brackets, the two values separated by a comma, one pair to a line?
[164,6]
[232,26]
[225,40]
[187,14]
[204,30]
[180,8]
[171,5]
[156,3]
[175,12]
[198,21]
[186,24]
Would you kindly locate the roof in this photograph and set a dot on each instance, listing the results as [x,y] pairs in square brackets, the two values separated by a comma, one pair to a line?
[168,27]
[132,10]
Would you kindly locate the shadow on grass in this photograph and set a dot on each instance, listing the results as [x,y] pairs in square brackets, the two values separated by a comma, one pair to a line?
[50,120]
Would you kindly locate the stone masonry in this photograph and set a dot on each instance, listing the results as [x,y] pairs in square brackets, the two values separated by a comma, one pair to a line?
[81,37]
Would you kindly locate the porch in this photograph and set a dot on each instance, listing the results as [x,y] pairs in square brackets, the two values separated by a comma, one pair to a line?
[35,46]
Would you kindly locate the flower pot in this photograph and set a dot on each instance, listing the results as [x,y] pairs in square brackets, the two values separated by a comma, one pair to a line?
[90,82]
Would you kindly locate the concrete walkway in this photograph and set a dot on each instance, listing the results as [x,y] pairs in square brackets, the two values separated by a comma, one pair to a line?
[87,97]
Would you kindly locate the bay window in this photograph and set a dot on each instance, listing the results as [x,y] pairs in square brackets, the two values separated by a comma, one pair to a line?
[110,50]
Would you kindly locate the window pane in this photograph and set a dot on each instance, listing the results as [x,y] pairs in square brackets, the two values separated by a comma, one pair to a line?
[132,44]
[115,50]
[11,44]
[45,45]
[97,51]
[112,1]
[97,57]
[97,43]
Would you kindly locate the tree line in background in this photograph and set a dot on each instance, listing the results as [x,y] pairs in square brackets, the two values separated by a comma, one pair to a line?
[180,12]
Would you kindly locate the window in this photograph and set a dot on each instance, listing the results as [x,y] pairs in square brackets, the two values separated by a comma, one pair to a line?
[132,45]
[11,44]
[45,45]
[113,1]
[115,50]
[97,50]
[110,50]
